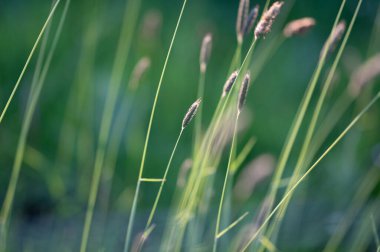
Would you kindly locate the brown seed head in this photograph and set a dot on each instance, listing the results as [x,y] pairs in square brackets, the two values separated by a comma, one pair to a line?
[141,67]
[255,172]
[190,113]
[241,18]
[251,20]
[364,75]
[266,22]
[299,26]
[334,38]
[243,91]
[229,83]
[151,25]
[205,52]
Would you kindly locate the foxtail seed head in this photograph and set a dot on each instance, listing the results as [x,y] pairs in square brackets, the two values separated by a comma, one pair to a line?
[266,22]
[364,75]
[205,52]
[334,39]
[299,26]
[243,91]
[190,113]
[141,67]
[229,83]
[251,20]
[241,19]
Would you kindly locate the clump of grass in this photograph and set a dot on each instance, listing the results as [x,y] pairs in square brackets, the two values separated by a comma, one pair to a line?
[35,92]
[204,216]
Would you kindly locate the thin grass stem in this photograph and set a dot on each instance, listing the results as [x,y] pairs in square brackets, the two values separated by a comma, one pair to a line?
[51,14]
[151,215]
[198,119]
[232,225]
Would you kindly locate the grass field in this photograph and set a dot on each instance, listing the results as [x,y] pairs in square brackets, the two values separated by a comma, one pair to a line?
[189,125]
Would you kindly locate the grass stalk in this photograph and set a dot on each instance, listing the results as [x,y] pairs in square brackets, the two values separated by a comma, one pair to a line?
[79,100]
[219,215]
[21,146]
[124,44]
[151,215]
[232,225]
[135,197]
[36,43]
[198,119]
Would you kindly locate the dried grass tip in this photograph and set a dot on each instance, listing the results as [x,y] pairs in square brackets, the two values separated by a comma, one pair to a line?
[229,83]
[141,67]
[190,113]
[364,75]
[299,26]
[334,38]
[265,24]
[205,51]
[243,91]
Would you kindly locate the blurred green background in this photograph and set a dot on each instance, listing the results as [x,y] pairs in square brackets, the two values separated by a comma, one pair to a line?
[51,198]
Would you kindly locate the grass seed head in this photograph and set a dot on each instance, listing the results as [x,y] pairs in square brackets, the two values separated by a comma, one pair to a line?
[151,25]
[243,91]
[364,75]
[265,24]
[229,83]
[251,19]
[205,52]
[190,113]
[334,39]
[299,26]
[141,67]
[255,172]
[241,19]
